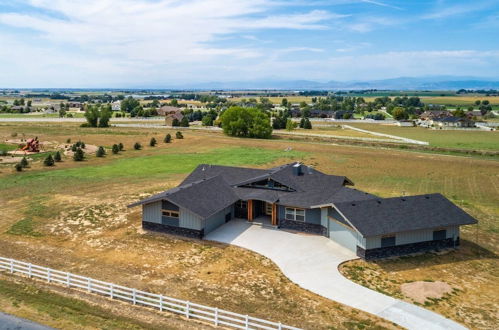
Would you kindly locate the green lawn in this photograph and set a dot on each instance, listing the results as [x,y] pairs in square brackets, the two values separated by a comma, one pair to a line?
[140,167]
[457,139]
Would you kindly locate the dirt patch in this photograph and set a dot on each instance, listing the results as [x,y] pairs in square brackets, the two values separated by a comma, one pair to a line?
[89,149]
[10,160]
[420,291]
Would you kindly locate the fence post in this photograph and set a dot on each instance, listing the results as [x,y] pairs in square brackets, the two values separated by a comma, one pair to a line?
[48,275]
[216,317]
[11,265]
[67,279]
[187,309]
[29,270]
[280,326]
[134,296]
[160,303]
[88,285]
[111,287]
[246,322]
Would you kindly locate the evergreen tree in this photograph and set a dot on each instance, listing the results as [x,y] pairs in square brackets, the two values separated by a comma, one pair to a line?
[68,140]
[121,147]
[24,162]
[19,167]
[115,149]
[153,142]
[74,147]
[49,161]
[184,122]
[79,155]
[137,146]
[101,152]
[179,135]
[307,124]
[175,122]
[168,138]
[57,157]
[302,122]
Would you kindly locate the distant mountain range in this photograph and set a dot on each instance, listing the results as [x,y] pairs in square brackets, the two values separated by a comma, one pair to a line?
[402,83]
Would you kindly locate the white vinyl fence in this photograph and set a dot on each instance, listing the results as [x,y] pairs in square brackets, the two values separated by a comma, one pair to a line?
[215,316]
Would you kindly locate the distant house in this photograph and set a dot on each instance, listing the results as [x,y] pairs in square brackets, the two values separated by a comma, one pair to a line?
[170,113]
[116,105]
[435,114]
[473,114]
[300,198]
[75,104]
[453,122]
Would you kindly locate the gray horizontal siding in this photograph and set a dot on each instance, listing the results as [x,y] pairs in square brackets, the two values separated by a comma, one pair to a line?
[412,237]
[152,212]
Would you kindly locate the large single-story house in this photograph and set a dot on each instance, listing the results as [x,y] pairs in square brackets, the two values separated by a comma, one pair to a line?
[170,113]
[298,197]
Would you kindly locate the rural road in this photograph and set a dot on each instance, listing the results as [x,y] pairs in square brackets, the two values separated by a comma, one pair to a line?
[10,322]
[312,262]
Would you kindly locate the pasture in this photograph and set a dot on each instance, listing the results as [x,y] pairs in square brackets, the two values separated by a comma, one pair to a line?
[454,139]
[74,217]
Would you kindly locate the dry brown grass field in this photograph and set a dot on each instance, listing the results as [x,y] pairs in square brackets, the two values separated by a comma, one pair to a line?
[74,217]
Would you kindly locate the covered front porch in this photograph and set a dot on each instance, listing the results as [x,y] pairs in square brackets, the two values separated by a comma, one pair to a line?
[257,211]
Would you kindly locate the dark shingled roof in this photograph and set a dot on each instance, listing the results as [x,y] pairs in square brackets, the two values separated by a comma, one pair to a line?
[310,188]
[382,216]
[203,197]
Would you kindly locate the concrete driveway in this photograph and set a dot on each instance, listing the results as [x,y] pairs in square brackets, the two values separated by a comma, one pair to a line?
[312,262]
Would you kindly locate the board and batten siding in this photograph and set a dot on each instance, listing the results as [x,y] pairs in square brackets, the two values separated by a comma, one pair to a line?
[217,219]
[152,212]
[190,220]
[341,233]
[414,236]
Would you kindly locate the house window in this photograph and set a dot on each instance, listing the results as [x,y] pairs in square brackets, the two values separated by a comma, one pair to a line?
[439,234]
[295,214]
[387,241]
[170,214]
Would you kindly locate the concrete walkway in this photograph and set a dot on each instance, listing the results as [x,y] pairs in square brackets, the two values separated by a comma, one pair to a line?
[312,262]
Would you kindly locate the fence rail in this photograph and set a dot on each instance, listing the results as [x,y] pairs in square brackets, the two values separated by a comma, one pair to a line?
[216,316]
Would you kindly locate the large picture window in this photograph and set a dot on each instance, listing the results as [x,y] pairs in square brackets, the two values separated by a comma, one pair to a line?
[170,214]
[295,214]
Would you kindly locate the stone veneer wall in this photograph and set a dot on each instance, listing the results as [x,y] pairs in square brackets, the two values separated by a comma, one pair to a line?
[405,249]
[186,232]
[303,226]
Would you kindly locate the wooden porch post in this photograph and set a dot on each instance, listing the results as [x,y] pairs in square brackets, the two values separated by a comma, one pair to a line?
[274,214]
[250,210]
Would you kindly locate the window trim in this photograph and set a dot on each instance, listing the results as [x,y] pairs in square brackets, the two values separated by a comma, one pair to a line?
[170,214]
[293,212]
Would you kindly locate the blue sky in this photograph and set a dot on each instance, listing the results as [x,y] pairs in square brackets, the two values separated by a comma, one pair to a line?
[163,43]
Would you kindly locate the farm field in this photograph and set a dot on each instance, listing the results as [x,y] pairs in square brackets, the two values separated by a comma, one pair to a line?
[74,217]
[456,139]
